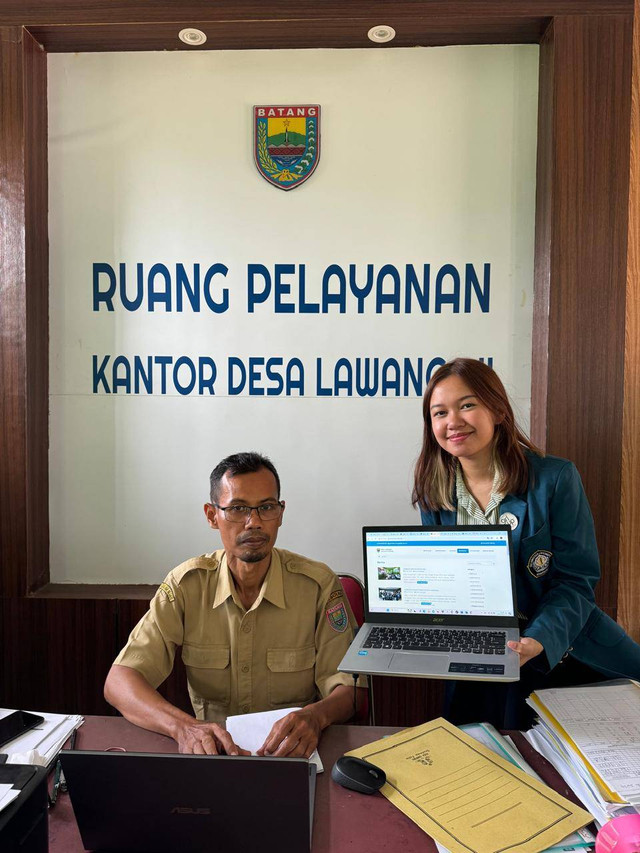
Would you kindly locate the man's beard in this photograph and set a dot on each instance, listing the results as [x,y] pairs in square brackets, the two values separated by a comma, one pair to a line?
[255,553]
[254,556]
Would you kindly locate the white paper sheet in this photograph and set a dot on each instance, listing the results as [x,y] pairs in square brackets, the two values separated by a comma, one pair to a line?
[7,795]
[251,730]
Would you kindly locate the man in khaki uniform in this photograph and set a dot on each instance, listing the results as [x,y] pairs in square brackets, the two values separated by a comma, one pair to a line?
[260,628]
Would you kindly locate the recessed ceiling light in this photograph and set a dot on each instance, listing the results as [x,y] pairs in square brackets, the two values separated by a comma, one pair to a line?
[192,37]
[381,33]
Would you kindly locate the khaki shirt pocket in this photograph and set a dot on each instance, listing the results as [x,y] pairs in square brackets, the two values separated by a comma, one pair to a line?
[291,676]
[208,673]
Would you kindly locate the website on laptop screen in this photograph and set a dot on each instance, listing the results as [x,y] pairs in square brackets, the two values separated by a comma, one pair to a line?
[464,572]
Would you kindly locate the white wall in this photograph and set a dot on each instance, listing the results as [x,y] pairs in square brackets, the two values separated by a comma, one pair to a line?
[428,156]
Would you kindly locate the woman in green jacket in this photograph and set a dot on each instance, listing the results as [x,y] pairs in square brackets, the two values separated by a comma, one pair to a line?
[477,467]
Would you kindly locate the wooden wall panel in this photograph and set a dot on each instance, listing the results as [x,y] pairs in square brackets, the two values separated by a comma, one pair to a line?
[407,701]
[55,654]
[629,571]
[581,253]
[13,321]
[24,517]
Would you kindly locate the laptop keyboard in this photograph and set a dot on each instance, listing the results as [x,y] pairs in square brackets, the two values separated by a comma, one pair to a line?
[441,640]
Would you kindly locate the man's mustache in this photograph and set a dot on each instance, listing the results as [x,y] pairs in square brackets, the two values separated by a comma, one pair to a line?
[253,537]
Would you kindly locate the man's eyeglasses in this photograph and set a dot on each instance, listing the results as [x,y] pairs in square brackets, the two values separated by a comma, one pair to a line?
[238,513]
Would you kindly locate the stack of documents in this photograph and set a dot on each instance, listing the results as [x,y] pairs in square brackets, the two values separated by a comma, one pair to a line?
[591,735]
[466,797]
[488,735]
[46,740]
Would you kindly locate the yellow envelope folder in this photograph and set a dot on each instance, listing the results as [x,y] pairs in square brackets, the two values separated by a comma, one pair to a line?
[465,796]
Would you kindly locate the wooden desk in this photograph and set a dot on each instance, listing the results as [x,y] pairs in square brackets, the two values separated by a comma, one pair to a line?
[344,821]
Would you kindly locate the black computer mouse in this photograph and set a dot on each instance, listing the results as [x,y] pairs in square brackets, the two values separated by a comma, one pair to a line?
[358,774]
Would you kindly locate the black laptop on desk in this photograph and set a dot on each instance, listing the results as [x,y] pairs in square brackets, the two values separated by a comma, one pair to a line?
[151,803]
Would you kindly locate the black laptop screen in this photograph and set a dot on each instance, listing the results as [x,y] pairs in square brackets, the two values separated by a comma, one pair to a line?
[462,571]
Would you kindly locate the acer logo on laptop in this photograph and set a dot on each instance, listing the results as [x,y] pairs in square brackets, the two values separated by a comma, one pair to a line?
[438,619]
[188,810]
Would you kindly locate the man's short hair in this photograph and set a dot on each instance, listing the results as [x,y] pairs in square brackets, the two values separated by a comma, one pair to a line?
[239,463]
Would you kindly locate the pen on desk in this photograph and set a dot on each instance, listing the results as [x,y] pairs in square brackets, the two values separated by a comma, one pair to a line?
[56,784]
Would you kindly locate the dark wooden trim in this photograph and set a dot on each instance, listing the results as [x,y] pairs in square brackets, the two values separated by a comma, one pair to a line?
[36,200]
[238,24]
[13,366]
[544,231]
[24,357]
[87,591]
[287,13]
[341,32]
[581,251]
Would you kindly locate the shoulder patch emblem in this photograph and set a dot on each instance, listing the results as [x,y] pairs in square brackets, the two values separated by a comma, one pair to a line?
[338,618]
[335,594]
[166,589]
[539,562]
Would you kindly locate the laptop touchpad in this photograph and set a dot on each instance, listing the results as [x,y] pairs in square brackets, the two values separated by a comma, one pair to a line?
[419,663]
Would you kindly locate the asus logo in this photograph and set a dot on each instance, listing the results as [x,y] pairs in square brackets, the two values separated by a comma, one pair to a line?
[187,810]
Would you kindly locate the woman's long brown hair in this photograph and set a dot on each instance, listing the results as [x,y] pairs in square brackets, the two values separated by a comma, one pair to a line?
[435,471]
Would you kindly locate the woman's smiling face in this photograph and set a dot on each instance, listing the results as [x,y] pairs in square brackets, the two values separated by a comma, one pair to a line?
[461,424]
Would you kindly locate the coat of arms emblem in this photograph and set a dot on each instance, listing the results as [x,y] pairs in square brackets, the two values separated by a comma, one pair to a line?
[286,143]
[338,618]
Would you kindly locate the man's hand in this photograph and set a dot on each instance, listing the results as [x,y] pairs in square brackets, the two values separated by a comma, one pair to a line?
[130,692]
[527,648]
[200,738]
[294,736]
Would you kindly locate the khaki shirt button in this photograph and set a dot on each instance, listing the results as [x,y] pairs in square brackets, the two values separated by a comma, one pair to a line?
[246,628]
[246,667]
[245,708]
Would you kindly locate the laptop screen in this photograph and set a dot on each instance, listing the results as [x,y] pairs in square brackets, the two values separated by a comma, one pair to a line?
[460,572]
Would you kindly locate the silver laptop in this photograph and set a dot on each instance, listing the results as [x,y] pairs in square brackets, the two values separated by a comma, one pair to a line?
[439,603]
[160,803]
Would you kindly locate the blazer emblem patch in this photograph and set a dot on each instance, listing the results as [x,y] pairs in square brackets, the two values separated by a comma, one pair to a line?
[539,562]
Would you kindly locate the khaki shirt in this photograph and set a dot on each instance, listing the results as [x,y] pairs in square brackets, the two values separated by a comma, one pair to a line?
[282,652]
